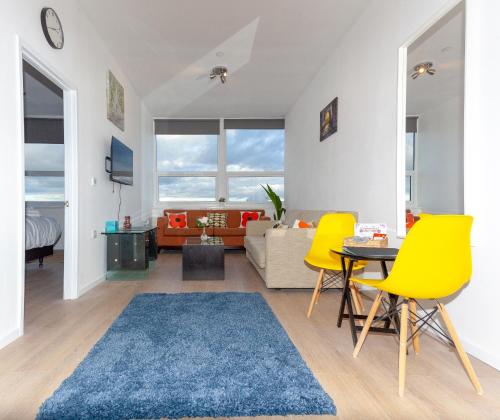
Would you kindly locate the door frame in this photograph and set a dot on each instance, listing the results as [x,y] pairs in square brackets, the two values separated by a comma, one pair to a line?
[26,53]
[401,113]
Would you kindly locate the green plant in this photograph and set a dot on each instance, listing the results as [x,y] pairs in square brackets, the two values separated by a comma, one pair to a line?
[276,200]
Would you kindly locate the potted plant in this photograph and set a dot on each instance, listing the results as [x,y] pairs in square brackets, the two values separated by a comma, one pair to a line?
[276,200]
[202,222]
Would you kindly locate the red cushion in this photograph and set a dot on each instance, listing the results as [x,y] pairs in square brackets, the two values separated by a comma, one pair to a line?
[248,215]
[177,220]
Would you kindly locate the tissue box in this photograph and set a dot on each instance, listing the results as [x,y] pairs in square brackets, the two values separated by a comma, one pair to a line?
[111,226]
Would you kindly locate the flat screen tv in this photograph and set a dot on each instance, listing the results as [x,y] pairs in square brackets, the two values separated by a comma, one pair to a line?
[122,163]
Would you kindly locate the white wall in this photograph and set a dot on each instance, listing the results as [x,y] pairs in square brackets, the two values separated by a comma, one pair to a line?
[356,167]
[83,62]
[439,160]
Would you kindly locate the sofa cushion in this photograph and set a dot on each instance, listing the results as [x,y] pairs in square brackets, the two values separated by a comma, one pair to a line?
[177,220]
[256,246]
[217,220]
[229,232]
[247,216]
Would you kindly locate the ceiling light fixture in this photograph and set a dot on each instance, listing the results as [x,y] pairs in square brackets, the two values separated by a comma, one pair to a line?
[219,71]
[422,68]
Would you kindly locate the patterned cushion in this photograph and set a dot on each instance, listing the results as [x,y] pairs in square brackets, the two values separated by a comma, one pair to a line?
[177,220]
[218,220]
[248,215]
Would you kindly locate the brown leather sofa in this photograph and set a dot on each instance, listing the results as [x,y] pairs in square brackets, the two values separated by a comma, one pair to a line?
[233,235]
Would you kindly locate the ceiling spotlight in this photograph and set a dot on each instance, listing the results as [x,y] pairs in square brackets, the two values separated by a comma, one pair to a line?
[423,68]
[219,71]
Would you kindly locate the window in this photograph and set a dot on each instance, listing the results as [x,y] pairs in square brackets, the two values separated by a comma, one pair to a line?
[187,167]
[44,166]
[410,167]
[255,157]
[196,167]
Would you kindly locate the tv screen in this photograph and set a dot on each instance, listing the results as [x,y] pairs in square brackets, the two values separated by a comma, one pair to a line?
[122,163]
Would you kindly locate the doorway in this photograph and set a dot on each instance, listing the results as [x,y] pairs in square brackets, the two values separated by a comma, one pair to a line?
[431,120]
[49,138]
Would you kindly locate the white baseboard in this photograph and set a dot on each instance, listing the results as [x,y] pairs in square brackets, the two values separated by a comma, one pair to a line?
[84,289]
[10,337]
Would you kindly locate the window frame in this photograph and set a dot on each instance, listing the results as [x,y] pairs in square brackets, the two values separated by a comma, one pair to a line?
[221,175]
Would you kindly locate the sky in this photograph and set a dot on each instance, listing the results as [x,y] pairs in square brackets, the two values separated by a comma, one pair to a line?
[44,157]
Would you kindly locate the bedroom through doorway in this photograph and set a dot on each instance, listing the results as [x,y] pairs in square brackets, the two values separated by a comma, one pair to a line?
[44,189]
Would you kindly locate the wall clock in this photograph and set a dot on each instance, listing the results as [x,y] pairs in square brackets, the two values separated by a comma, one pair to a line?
[52,28]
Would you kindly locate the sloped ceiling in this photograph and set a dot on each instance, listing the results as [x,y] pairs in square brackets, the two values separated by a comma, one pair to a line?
[271,47]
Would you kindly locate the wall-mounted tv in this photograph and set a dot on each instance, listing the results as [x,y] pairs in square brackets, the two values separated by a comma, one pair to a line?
[122,163]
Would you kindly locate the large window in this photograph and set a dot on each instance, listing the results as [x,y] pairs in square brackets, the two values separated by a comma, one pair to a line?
[254,158]
[197,167]
[187,167]
[44,165]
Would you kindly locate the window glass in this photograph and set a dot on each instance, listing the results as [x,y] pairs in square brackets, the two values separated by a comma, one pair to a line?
[255,150]
[186,153]
[408,192]
[186,188]
[410,151]
[249,189]
[44,157]
[44,188]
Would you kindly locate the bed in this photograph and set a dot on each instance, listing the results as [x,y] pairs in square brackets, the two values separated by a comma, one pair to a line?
[42,233]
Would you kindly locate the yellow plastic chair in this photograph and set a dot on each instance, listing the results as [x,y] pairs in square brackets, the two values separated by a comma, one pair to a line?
[434,262]
[330,233]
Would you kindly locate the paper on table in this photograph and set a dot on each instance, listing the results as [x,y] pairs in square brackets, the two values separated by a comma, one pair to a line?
[366,230]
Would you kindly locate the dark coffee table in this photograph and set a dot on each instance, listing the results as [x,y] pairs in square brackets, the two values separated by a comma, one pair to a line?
[203,260]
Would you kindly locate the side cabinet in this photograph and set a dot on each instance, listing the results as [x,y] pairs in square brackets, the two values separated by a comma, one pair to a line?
[131,250]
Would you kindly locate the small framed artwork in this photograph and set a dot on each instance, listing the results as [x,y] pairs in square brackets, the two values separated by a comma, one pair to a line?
[116,101]
[328,120]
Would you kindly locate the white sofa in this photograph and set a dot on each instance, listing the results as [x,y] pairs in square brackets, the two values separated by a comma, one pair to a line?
[278,254]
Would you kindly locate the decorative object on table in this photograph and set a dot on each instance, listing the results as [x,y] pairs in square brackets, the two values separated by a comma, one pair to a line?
[259,355]
[328,120]
[247,216]
[116,101]
[202,222]
[127,224]
[276,200]
[52,28]
[378,241]
[177,220]
[217,220]
[111,226]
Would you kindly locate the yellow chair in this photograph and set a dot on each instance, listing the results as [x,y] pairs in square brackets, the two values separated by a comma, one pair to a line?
[331,231]
[434,262]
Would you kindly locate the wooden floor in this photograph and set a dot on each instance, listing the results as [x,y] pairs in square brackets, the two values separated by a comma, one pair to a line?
[58,335]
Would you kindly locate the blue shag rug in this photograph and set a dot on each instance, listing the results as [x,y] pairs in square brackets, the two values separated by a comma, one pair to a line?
[190,355]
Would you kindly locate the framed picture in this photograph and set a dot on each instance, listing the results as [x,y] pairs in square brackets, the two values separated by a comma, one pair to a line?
[328,120]
[116,101]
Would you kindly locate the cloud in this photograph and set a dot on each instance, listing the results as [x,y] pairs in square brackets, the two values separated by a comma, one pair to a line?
[44,188]
[44,157]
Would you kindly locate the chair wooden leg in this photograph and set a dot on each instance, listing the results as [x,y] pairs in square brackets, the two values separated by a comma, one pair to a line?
[359,297]
[358,302]
[317,291]
[402,347]
[460,350]
[414,327]
[368,323]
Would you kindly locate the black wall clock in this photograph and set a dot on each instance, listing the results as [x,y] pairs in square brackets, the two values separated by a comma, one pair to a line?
[52,28]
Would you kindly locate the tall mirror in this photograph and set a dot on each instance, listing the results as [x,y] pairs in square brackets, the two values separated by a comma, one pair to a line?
[434,143]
